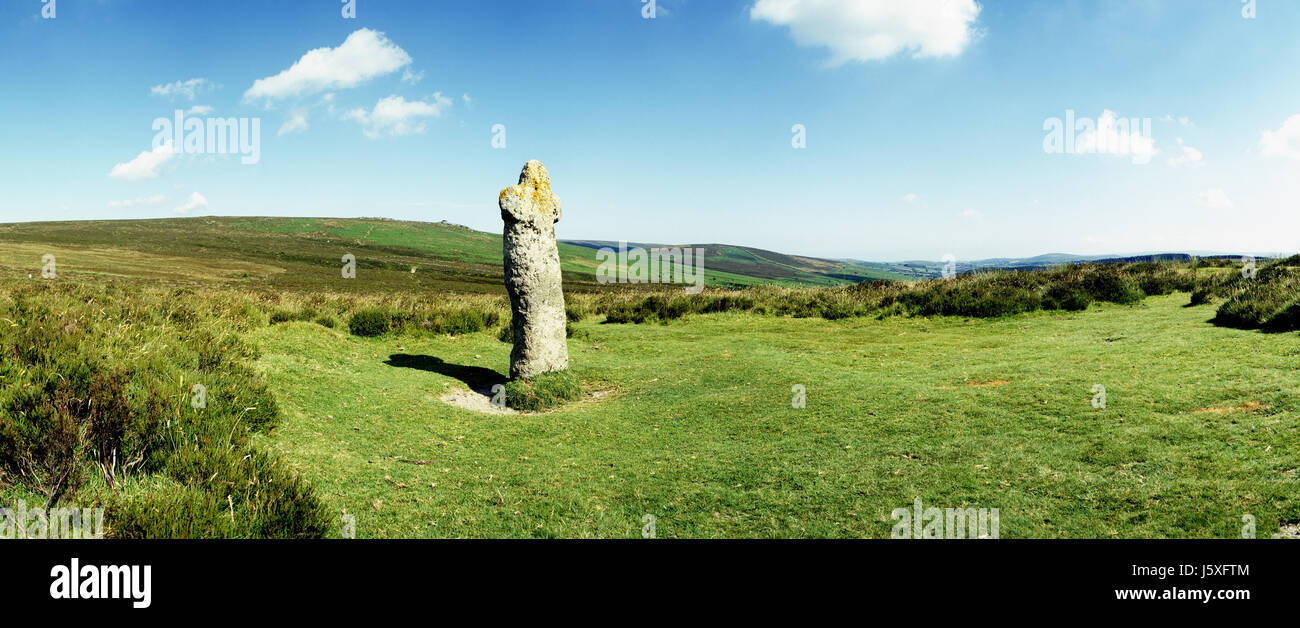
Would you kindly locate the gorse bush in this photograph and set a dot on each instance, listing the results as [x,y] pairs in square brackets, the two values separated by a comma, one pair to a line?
[99,405]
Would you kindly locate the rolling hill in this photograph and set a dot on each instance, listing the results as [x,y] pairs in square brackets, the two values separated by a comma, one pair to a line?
[770,266]
[300,253]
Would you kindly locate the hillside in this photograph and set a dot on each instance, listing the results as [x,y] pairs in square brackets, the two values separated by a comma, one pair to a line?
[303,253]
[756,263]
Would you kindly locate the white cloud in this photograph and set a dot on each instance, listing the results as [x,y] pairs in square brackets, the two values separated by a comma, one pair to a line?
[909,198]
[394,115]
[1113,138]
[364,55]
[1284,142]
[868,30]
[1189,157]
[971,214]
[145,165]
[188,89]
[1216,198]
[411,78]
[295,124]
[144,200]
[469,102]
[199,110]
[196,202]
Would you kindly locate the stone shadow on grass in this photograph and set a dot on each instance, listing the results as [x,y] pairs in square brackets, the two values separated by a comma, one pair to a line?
[478,378]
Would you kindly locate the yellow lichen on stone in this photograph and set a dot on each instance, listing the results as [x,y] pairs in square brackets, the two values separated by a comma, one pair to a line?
[532,195]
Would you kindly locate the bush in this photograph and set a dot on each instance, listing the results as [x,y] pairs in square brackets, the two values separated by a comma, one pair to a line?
[671,308]
[280,315]
[837,310]
[1107,284]
[88,413]
[1245,312]
[1266,301]
[1285,319]
[981,295]
[370,322]
[575,314]
[542,392]
[462,322]
[1066,297]
[1202,296]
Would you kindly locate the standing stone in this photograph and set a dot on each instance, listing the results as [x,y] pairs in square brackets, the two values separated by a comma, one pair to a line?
[532,263]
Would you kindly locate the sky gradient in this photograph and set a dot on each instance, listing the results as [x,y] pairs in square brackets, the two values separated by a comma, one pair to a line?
[924,119]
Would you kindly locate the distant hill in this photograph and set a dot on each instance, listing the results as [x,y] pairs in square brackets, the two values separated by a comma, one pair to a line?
[926,269]
[759,264]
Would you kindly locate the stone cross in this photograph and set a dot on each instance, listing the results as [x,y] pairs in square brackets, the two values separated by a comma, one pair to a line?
[532,266]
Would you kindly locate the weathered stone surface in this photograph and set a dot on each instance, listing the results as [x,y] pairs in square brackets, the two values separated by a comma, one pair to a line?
[532,264]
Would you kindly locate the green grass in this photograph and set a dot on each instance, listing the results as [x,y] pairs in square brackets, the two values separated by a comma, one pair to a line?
[542,392]
[688,419]
[697,427]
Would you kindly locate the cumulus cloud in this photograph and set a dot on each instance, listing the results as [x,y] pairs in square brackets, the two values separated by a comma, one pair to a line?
[868,30]
[1284,142]
[295,124]
[144,200]
[196,202]
[145,165]
[183,89]
[199,110]
[364,55]
[909,198]
[394,115]
[1188,156]
[1216,198]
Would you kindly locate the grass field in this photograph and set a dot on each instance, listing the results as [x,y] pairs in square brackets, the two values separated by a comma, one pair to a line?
[686,416]
[695,426]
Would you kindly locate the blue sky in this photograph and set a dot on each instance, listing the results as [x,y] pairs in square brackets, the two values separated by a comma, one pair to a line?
[924,118]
